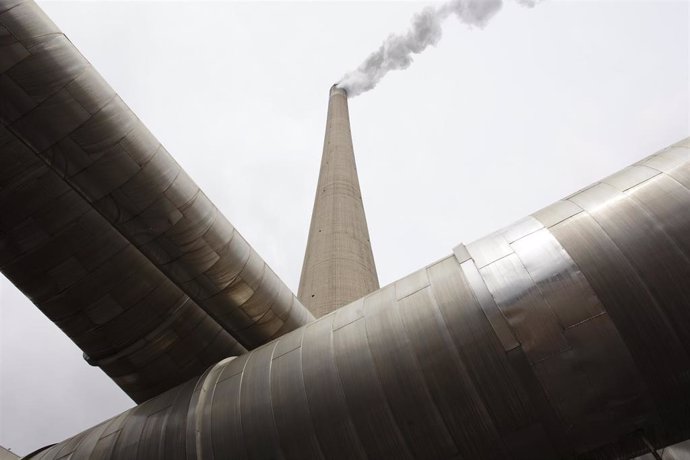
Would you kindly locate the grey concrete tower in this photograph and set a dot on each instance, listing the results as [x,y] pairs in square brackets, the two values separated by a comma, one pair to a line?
[338,263]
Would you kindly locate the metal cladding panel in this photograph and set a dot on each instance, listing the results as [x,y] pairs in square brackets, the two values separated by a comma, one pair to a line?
[557,212]
[522,305]
[293,420]
[479,346]
[558,279]
[498,322]
[662,199]
[489,249]
[27,24]
[338,262]
[682,175]
[447,378]
[226,431]
[655,257]
[365,393]
[61,112]
[396,362]
[55,52]
[326,401]
[258,424]
[630,177]
[540,285]
[199,438]
[636,314]
[669,159]
[567,378]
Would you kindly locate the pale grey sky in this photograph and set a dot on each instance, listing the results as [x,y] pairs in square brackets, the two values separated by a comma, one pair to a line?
[481,130]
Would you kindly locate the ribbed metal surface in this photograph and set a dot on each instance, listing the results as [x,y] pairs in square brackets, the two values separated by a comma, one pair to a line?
[338,263]
[58,106]
[561,336]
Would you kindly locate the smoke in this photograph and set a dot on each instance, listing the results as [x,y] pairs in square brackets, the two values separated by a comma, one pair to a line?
[396,51]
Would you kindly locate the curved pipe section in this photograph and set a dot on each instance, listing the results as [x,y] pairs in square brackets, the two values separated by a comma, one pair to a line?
[61,108]
[563,335]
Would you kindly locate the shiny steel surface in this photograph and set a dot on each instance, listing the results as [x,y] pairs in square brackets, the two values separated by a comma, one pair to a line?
[338,262]
[61,122]
[561,336]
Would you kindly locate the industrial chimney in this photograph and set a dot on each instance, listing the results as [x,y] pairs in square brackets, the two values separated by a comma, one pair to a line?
[338,263]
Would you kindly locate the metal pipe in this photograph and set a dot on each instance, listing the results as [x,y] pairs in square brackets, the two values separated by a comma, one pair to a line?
[67,115]
[559,336]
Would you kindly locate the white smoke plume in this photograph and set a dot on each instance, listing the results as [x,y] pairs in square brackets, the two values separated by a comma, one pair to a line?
[396,51]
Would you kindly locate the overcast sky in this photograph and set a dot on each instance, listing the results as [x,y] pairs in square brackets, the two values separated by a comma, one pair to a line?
[486,127]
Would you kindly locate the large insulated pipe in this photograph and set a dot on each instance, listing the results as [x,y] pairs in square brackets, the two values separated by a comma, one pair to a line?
[119,308]
[564,335]
[60,107]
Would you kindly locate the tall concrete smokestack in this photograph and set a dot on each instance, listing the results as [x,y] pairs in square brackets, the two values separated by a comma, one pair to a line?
[338,263]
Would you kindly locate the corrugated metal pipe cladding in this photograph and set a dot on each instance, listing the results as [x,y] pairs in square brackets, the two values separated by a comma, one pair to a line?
[563,335]
[108,235]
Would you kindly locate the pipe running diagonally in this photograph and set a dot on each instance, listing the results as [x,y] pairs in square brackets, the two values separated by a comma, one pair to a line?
[563,335]
[61,108]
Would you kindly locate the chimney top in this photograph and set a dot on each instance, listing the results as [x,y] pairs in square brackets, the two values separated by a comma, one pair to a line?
[335,89]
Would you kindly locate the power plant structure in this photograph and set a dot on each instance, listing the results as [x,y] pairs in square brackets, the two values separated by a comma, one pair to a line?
[562,336]
[339,264]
